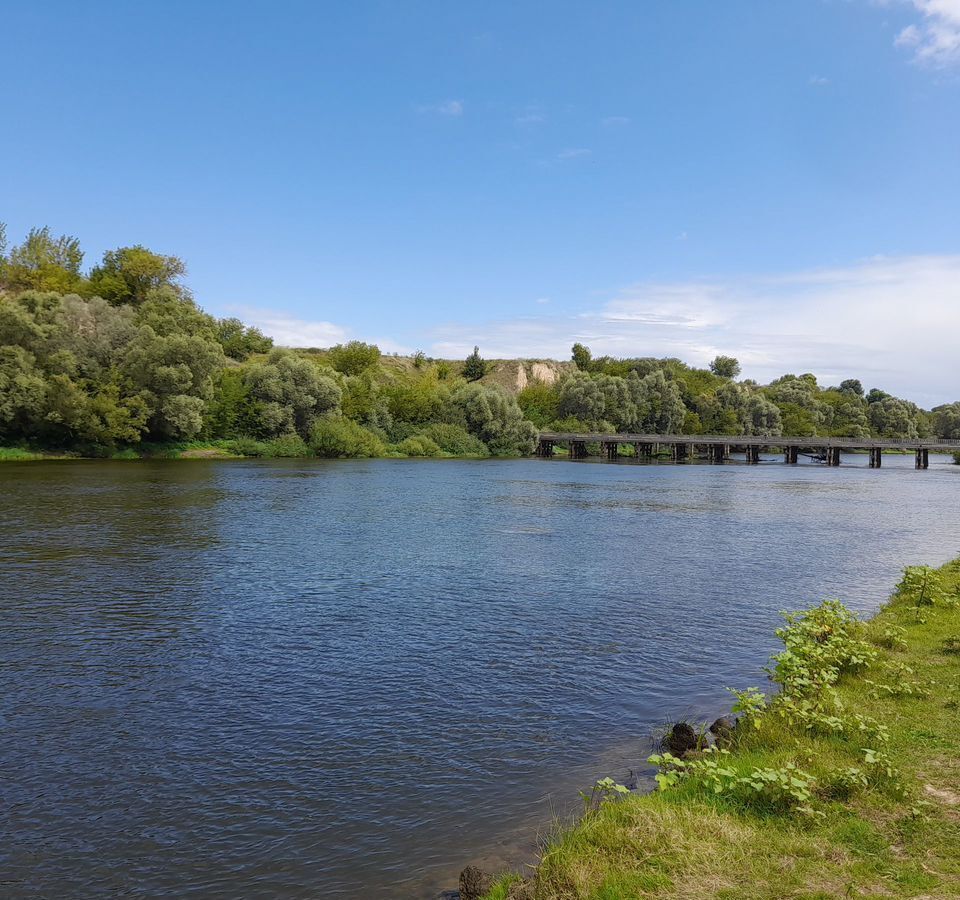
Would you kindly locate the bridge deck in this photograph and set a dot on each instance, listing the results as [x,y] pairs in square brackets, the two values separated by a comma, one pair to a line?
[743,440]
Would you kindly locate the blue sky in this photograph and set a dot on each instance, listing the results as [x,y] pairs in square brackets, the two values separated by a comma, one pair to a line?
[775,180]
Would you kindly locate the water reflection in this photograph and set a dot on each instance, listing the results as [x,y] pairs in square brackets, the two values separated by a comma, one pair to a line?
[300,679]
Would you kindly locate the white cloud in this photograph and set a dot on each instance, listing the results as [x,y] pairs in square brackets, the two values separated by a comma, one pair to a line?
[573,153]
[543,300]
[819,81]
[452,108]
[289,331]
[530,118]
[889,321]
[611,121]
[935,40]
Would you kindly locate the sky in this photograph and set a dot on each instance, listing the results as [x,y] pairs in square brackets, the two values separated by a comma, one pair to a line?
[777,181]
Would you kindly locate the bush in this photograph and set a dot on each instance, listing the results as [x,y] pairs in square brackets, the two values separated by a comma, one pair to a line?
[342,438]
[419,445]
[287,446]
[247,446]
[455,439]
[354,357]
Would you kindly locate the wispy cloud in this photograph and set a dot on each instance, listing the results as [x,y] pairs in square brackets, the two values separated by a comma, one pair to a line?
[818,81]
[613,121]
[890,321]
[451,108]
[290,331]
[573,153]
[935,40]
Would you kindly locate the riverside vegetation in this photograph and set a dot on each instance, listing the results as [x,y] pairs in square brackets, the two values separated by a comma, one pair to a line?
[120,361]
[844,783]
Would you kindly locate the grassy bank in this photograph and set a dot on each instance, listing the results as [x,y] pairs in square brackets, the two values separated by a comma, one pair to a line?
[844,783]
[242,448]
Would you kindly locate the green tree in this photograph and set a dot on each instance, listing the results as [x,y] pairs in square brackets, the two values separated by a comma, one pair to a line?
[582,357]
[230,413]
[725,366]
[22,394]
[364,402]
[852,386]
[539,403]
[354,357]
[174,375]
[241,341]
[946,421]
[493,417]
[474,368]
[44,263]
[581,397]
[289,393]
[894,418]
[659,408]
[131,274]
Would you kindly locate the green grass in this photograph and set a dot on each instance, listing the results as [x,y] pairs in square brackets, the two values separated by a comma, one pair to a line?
[16,454]
[896,836]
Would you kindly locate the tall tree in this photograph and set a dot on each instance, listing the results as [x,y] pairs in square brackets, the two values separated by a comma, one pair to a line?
[44,263]
[725,366]
[474,368]
[130,274]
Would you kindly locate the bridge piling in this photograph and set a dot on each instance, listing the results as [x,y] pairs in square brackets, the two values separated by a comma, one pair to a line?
[716,447]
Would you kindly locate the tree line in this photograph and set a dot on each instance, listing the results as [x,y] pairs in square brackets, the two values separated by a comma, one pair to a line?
[666,396]
[120,356]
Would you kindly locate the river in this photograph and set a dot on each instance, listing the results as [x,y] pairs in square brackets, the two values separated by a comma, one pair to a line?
[301,679]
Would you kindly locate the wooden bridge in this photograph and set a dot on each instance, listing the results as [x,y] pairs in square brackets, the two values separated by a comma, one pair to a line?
[718,447]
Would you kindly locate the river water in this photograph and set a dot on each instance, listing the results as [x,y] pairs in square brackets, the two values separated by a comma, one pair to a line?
[302,679]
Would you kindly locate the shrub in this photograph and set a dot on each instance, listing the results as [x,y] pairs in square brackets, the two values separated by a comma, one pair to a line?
[247,446]
[455,439]
[343,438]
[287,446]
[419,445]
[354,357]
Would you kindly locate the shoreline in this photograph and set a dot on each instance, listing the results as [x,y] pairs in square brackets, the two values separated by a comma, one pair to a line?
[222,450]
[845,779]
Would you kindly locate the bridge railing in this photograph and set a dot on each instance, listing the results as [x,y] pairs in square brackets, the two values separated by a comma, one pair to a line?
[752,440]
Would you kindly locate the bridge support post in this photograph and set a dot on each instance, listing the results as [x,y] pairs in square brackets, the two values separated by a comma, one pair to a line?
[875,459]
[753,454]
[545,449]
[923,458]
[719,452]
[833,456]
[680,451]
[578,450]
[610,449]
[791,455]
